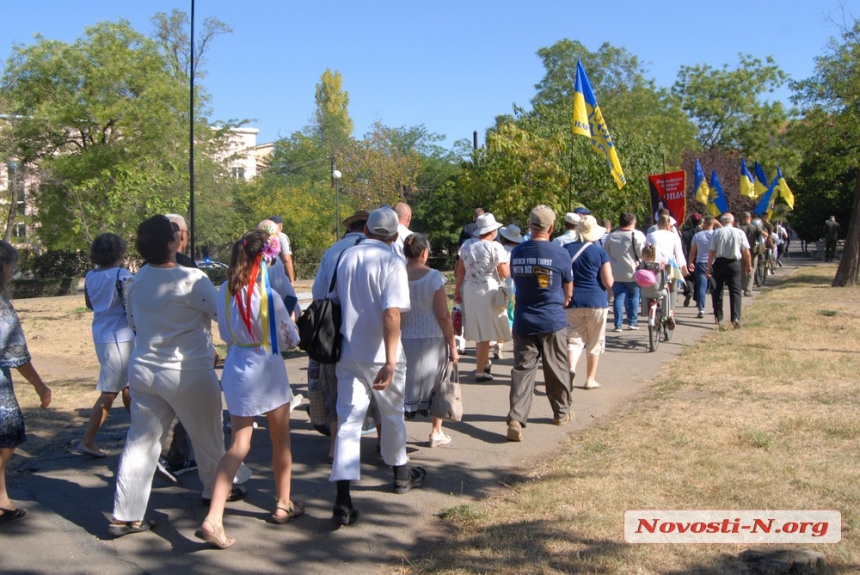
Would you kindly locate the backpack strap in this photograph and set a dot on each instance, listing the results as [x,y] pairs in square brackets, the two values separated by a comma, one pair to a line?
[579,253]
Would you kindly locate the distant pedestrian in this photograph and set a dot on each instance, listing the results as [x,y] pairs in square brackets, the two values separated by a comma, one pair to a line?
[286,251]
[469,229]
[404,218]
[699,249]
[106,288]
[570,235]
[831,236]
[624,248]
[729,250]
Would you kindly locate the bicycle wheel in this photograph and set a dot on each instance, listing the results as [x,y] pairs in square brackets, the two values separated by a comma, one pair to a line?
[654,326]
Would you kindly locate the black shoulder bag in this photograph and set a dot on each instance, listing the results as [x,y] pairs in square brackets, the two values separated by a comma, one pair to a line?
[319,326]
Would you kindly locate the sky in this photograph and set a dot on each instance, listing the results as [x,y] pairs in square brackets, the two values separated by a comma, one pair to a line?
[452,66]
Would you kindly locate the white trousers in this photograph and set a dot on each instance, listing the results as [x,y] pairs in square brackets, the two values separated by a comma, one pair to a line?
[354,386]
[156,396]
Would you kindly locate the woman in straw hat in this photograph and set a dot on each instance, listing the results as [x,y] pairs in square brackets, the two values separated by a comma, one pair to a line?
[482,267]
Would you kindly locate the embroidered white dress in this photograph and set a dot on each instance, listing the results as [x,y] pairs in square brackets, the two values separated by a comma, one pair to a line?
[254,379]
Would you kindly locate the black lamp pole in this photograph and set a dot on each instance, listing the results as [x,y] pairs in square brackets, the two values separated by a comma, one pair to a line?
[191,142]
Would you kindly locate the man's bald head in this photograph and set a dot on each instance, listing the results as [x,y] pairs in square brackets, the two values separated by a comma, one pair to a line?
[404,213]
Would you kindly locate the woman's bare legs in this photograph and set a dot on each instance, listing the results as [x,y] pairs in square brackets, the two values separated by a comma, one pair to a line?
[242,429]
[5,456]
[282,457]
[482,356]
[99,415]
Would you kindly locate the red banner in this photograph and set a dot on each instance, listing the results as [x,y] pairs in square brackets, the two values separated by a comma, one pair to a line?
[669,191]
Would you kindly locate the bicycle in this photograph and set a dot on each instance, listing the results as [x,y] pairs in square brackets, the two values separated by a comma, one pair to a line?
[659,307]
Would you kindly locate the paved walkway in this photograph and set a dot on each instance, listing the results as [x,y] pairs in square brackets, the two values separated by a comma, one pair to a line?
[70,497]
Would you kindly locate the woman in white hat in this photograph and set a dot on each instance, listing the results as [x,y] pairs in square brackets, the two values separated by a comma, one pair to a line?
[482,267]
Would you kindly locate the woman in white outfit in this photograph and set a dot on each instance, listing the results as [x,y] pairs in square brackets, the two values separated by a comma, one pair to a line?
[427,335]
[667,242]
[256,325]
[171,372]
[482,266]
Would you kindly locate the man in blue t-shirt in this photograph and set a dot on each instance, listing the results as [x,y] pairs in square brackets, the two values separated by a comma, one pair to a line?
[543,287]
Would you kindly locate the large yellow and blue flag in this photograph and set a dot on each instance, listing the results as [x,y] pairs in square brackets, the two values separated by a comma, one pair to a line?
[588,121]
[784,191]
[717,203]
[701,185]
[761,185]
[765,205]
[747,183]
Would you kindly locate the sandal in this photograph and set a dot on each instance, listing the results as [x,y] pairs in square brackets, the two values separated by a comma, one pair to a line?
[97,453]
[12,514]
[293,511]
[343,515]
[417,475]
[127,527]
[218,537]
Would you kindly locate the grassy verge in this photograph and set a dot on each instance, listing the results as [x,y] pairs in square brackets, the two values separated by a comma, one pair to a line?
[761,418]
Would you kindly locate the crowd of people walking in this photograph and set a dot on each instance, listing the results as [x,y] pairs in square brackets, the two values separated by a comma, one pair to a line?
[548,296]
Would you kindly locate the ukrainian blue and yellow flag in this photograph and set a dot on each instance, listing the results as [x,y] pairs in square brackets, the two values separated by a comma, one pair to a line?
[784,191]
[765,205]
[588,121]
[701,185]
[717,203]
[747,183]
[761,185]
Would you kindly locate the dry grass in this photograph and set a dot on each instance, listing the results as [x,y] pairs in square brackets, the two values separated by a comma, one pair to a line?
[763,418]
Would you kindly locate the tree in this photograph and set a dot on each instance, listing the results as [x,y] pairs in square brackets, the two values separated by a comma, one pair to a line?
[333,125]
[831,134]
[728,108]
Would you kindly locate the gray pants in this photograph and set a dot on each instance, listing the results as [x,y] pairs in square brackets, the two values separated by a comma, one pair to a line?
[747,278]
[528,349]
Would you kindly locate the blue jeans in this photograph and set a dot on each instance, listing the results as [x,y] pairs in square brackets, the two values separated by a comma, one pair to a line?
[701,285]
[626,297]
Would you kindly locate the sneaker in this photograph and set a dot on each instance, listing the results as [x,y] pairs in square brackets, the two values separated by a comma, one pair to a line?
[564,419]
[736,324]
[687,299]
[184,467]
[436,441]
[297,401]
[163,468]
[483,377]
[701,314]
[591,385]
[747,294]
[670,322]
[633,327]
[617,330]
[515,431]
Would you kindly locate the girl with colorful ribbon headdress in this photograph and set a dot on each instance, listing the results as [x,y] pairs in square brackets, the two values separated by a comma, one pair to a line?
[253,320]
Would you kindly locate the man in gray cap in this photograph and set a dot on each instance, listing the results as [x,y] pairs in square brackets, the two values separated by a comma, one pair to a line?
[372,289]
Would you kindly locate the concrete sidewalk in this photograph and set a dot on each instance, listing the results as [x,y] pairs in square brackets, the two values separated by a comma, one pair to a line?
[70,497]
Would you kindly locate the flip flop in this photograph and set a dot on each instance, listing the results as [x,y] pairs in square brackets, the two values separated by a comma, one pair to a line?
[12,514]
[343,515]
[94,453]
[218,537]
[127,527]
[293,511]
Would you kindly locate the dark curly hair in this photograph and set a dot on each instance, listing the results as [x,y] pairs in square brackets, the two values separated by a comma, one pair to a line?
[108,250]
[414,244]
[8,256]
[153,236]
[245,251]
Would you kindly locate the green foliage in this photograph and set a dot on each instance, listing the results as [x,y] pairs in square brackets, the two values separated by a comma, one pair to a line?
[61,263]
[46,287]
[333,125]
[729,108]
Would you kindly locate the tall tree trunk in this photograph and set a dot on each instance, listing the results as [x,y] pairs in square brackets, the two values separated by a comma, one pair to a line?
[849,266]
[13,205]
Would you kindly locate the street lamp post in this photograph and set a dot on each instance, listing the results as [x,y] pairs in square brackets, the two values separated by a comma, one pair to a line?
[335,178]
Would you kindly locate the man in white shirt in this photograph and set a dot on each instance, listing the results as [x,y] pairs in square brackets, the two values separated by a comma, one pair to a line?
[372,289]
[404,217]
[729,246]
[286,250]
[570,235]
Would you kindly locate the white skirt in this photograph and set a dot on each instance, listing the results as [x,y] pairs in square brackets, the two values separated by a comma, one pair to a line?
[254,381]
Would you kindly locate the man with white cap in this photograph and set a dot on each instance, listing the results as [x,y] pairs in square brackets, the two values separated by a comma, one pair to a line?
[570,235]
[542,276]
[372,289]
